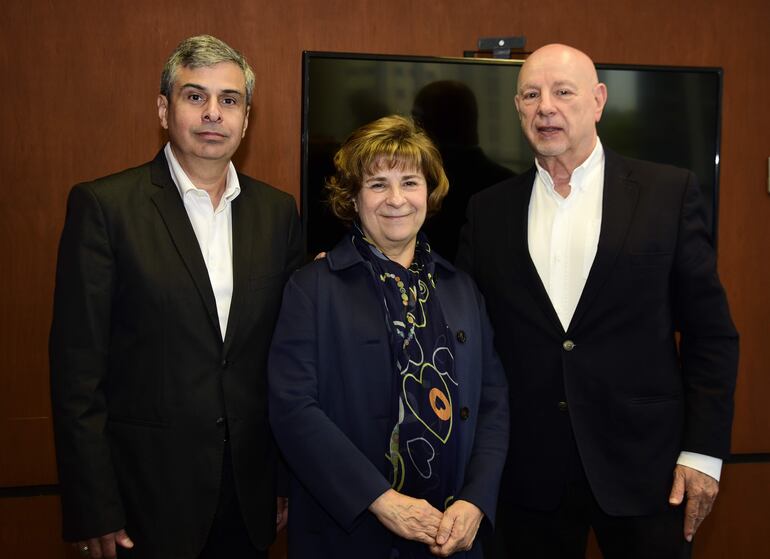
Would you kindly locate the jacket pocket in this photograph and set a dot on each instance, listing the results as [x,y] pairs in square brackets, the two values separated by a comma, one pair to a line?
[655,399]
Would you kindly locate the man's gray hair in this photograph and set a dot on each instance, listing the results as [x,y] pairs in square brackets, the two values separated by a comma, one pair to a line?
[203,51]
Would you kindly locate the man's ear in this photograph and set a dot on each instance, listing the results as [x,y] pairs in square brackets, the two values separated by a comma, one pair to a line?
[246,121]
[163,110]
[600,95]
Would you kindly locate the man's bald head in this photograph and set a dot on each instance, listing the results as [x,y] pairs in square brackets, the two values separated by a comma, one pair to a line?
[557,55]
[560,100]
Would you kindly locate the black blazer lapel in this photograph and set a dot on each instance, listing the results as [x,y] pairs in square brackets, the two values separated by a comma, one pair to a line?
[518,231]
[618,205]
[172,211]
[243,220]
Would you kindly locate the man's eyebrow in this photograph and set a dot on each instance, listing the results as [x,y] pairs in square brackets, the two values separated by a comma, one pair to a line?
[560,83]
[524,86]
[194,86]
[203,88]
[233,92]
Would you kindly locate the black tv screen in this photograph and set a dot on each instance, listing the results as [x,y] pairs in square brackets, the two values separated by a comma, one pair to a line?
[665,114]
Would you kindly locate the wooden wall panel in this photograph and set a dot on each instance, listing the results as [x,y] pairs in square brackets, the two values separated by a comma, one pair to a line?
[79,85]
[31,527]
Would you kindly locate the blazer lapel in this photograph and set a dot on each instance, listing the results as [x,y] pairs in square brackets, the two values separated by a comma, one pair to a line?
[519,241]
[243,222]
[171,208]
[618,205]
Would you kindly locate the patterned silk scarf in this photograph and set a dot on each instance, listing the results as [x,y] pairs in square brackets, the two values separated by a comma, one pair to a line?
[422,448]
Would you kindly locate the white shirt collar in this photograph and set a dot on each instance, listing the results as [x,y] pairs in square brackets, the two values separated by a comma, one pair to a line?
[577,180]
[185,185]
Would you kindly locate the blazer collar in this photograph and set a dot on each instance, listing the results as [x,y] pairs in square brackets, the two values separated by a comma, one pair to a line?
[171,208]
[245,216]
[520,193]
[621,192]
[618,205]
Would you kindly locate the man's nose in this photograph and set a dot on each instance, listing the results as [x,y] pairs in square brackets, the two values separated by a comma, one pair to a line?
[211,111]
[545,106]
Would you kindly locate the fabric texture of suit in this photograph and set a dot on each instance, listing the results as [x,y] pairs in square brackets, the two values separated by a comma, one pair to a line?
[143,385]
[331,376]
[616,378]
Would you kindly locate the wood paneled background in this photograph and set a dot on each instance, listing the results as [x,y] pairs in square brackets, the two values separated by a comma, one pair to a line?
[79,83]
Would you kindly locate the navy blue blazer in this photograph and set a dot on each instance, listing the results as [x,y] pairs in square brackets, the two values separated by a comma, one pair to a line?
[330,376]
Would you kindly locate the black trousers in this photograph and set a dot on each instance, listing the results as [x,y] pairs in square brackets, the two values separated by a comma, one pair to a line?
[228,538]
[563,533]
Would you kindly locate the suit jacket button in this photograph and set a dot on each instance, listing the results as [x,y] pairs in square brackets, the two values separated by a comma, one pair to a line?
[461,337]
[562,406]
[568,345]
[225,363]
[220,421]
[465,413]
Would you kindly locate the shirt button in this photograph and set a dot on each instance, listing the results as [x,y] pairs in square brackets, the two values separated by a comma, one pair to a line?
[568,345]
[465,413]
[562,406]
[461,337]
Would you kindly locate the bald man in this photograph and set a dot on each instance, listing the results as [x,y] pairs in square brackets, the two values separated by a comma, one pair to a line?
[591,264]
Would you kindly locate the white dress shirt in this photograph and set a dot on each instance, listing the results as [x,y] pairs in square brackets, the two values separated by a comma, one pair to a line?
[563,236]
[563,233]
[213,229]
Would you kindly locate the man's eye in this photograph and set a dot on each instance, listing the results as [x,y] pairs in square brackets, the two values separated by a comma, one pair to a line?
[530,95]
[563,92]
[195,97]
[228,101]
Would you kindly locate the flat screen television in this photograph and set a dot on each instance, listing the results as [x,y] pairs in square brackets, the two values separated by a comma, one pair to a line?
[665,114]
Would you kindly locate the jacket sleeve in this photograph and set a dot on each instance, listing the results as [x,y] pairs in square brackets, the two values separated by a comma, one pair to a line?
[709,341]
[78,352]
[296,252]
[490,447]
[338,475]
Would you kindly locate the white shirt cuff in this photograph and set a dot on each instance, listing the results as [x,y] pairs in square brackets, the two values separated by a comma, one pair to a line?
[703,463]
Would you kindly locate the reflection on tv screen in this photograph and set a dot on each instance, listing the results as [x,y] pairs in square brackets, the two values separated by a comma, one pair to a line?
[664,114]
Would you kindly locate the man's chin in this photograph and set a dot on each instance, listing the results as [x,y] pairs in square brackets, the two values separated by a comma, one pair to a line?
[215,152]
[548,149]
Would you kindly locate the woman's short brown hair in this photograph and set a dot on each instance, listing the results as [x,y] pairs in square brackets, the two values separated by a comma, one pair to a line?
[398,141]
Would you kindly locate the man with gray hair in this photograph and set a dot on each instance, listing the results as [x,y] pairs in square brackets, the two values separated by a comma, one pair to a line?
[168,284]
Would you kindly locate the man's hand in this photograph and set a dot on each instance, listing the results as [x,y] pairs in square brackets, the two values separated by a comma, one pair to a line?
[104,546]
[412,519]
[458,529]
[282,516]
[701,490]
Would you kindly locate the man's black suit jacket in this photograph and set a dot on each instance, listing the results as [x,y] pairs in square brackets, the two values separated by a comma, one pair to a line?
[617,378]
[142,384]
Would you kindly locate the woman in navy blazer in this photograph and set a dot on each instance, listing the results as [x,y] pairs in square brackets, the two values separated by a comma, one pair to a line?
[386,396]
